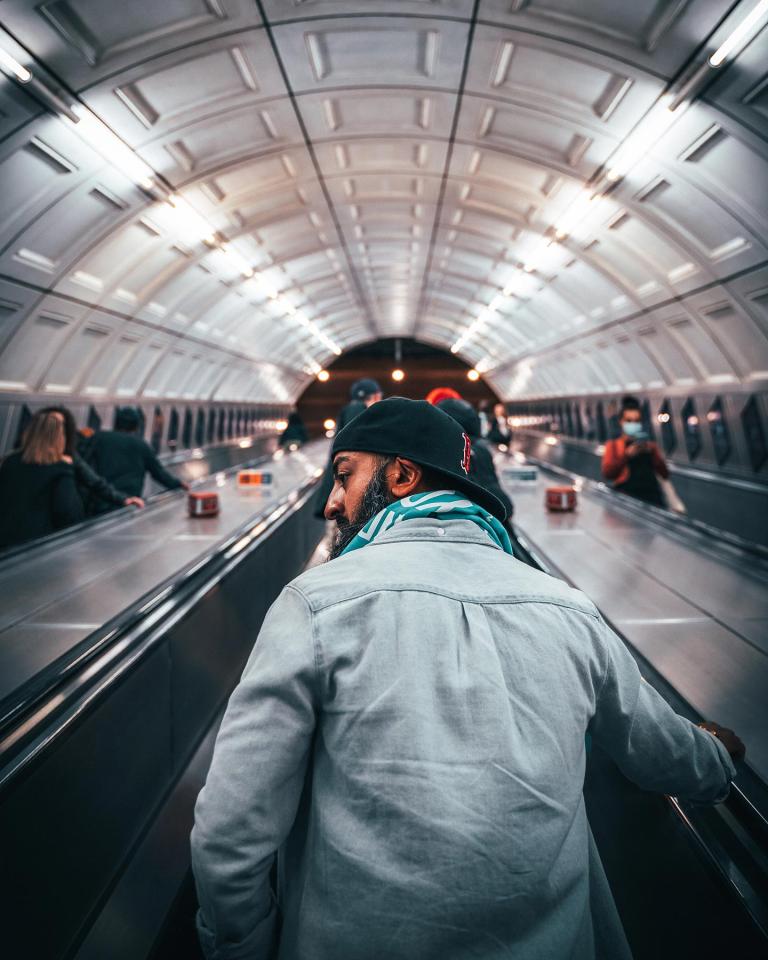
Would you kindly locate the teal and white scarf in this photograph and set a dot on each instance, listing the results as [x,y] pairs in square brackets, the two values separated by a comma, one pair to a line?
[442,504]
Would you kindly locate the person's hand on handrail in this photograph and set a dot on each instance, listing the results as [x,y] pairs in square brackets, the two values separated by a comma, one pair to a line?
[732,743]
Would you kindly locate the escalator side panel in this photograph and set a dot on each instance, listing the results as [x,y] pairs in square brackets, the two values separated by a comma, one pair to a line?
[670,902]
[74,827]
[66,824]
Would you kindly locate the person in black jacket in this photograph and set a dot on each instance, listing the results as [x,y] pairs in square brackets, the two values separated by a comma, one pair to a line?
[93,489]
[38,492]
[481,467]
[123,458]
[499,431]
[295,432]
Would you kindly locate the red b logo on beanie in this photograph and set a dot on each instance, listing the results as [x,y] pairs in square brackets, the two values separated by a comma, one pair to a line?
[467,454]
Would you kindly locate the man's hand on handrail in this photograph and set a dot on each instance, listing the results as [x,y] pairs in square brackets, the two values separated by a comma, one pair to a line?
[732,743]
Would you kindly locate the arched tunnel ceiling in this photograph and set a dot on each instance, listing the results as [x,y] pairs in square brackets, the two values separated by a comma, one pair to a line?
[383,169]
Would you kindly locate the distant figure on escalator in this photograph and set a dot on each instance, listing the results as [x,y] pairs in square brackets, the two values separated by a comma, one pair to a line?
[362,394]
[499,432]
[123,459]
[633,461]
[481,466]
[93,489]
[38,492]
[295,433]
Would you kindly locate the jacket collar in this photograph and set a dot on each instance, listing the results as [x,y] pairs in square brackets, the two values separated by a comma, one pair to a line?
[436,531]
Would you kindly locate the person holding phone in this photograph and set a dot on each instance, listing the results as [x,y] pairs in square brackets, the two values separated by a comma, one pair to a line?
[633,461]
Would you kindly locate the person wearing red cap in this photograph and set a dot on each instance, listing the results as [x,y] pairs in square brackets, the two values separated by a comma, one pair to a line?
[442,393]
[408,737]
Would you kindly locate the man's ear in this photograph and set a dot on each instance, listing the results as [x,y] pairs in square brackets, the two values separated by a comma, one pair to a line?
[404,477]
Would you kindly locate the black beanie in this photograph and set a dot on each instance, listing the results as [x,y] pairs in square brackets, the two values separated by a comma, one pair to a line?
[417,431]
[127,418]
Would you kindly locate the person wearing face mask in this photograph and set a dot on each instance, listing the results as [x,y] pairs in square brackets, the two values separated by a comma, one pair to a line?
[633,461]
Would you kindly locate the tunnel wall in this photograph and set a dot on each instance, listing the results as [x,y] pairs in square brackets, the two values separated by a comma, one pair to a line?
[729,437]
[198,424]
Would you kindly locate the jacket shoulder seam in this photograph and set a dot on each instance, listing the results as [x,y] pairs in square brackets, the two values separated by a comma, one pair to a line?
[317,607]
[316,653]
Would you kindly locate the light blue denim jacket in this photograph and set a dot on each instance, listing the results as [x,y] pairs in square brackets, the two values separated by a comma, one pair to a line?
[409,733]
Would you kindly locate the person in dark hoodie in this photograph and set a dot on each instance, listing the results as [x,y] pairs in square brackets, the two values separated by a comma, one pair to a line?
[37,484]
[123,458]
[481,467]
[93,488]
[295,432]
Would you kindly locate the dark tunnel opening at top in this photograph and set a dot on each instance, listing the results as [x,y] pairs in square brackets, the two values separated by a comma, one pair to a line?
[424,366]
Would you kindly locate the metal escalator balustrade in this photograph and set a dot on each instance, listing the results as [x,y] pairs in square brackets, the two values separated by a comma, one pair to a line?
[121,733]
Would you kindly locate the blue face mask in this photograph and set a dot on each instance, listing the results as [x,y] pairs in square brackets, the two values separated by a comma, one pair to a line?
[632,429]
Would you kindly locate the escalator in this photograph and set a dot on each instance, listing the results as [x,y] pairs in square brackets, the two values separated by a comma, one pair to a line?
[101,760]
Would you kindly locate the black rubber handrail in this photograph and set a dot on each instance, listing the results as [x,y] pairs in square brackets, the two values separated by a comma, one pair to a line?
[30,717]
[32,689]
[675,522]
[119,515]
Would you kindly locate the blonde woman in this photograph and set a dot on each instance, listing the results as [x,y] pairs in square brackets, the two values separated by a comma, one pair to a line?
[38,494]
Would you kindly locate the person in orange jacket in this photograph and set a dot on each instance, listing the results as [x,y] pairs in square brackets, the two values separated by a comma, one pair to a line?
[633,461]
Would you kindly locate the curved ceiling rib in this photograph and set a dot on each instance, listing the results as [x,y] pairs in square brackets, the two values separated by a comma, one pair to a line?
[565,194]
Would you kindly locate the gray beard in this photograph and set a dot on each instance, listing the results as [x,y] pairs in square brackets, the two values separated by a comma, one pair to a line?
[375,498]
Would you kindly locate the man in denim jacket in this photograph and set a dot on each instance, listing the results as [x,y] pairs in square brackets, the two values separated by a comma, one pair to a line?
[409,735]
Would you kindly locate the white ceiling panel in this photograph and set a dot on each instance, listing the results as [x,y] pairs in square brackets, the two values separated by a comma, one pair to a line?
[278,10]
[83,40]
[373,52]
[654,34]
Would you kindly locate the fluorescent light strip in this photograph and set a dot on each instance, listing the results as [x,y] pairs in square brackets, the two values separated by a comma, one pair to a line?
[651,128]
[577,212]
[264,287]
[739,35]
[485,315]
[189,223]
[186,220]
[532,262]
[192,223]
[11,65]
[98,135]
[236,259]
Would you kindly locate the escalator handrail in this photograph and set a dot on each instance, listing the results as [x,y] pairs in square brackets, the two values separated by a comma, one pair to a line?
[741,802]
[679,523]
[102,521]
[118,515]
[27,722]
[13,704]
